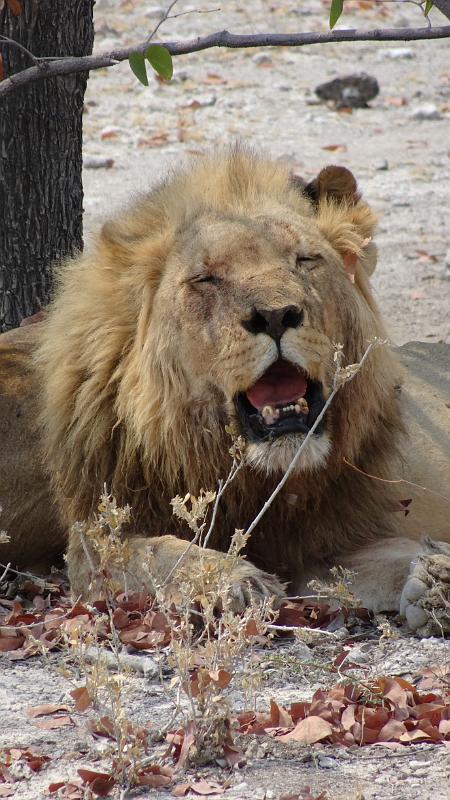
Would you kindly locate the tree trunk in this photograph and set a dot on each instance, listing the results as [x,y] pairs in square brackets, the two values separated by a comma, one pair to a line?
[41,191]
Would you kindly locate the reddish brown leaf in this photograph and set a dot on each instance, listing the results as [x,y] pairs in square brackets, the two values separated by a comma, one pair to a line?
[233,755]
[121,618]
[221,677]
[154,781]
[8,643]
[204,789]
[279,717]
[82,698]
[47,708]
[309,730]
[101,783]
[181,789]
[333,148]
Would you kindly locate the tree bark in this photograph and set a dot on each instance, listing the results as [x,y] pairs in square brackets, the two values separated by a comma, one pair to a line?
[41,191]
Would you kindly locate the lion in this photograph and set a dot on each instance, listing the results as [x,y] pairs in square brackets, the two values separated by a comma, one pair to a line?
[222,299]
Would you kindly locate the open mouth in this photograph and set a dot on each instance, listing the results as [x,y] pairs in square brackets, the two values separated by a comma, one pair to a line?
[284,400]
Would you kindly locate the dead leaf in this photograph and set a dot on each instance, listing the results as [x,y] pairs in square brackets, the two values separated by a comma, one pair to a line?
[396,102]
[100,783]
[47,708]
[8,643]
[309,730]
[82,698]
[157,140]
[221,677]
[335,148]
[155,776]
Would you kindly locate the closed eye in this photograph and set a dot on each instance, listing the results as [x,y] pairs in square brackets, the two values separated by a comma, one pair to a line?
[207,279]
[309,261]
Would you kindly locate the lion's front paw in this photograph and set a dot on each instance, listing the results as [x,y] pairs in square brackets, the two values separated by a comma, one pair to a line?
[425,600]
[248,584]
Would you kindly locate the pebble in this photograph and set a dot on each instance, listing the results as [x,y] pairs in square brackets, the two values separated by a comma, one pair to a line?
[381,165]
[262,59]
[327,763]
[156,12]
[427,111]
[98,162]
[397,52]
[446,268]
[419,764]
[239,787]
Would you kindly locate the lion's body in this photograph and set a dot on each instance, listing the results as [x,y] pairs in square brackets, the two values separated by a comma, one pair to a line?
[146,349]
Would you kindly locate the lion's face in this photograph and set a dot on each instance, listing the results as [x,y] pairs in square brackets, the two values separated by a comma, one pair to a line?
[250,309]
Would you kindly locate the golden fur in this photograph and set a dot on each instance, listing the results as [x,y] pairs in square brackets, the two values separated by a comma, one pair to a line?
[137,385]
[144,350]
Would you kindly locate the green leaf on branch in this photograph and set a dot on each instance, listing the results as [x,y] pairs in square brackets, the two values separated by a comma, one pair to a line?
[161,60]
[428,6]
[137,64]
[337,6]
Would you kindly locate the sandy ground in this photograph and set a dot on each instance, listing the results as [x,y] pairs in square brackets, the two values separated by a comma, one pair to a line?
[267,98]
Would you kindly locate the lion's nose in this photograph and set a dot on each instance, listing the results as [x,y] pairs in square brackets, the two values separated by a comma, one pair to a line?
[273,321]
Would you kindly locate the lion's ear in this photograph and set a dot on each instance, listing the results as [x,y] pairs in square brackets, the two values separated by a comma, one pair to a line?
[333,183]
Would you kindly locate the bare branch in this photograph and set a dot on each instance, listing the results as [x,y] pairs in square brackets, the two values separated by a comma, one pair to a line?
[5,40]
[69,65]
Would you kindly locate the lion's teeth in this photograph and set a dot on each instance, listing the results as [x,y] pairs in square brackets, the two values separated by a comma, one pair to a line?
[269,414]
[302,406]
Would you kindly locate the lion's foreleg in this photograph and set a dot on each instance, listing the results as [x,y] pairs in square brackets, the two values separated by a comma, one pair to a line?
[167,563]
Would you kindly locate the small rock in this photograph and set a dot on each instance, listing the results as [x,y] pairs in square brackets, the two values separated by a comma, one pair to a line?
[427,111]
[327,763]
[110,132]
[397,52]
[350,91]
[155,12]
[239,787]
[262,60]
[358,656]
[446,268]
[381,165]
[98,162]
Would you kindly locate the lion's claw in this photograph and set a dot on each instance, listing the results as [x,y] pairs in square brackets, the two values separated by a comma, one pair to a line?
[425,600]
[248,584]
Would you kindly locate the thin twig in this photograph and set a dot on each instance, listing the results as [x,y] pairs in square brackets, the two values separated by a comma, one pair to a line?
[12,43]
[396,480]
[5,572]
[293,628]
[300,450]
[236,466]
[70,65]
[25,574]
[163,19]
[86,552]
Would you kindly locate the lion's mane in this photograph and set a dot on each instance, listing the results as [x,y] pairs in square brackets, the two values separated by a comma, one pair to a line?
[115,407]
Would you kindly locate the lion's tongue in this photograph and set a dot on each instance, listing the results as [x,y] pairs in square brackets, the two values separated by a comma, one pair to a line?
[281,384]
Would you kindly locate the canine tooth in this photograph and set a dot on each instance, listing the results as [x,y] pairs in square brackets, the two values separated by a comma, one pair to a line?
[269,414]
[303,405]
